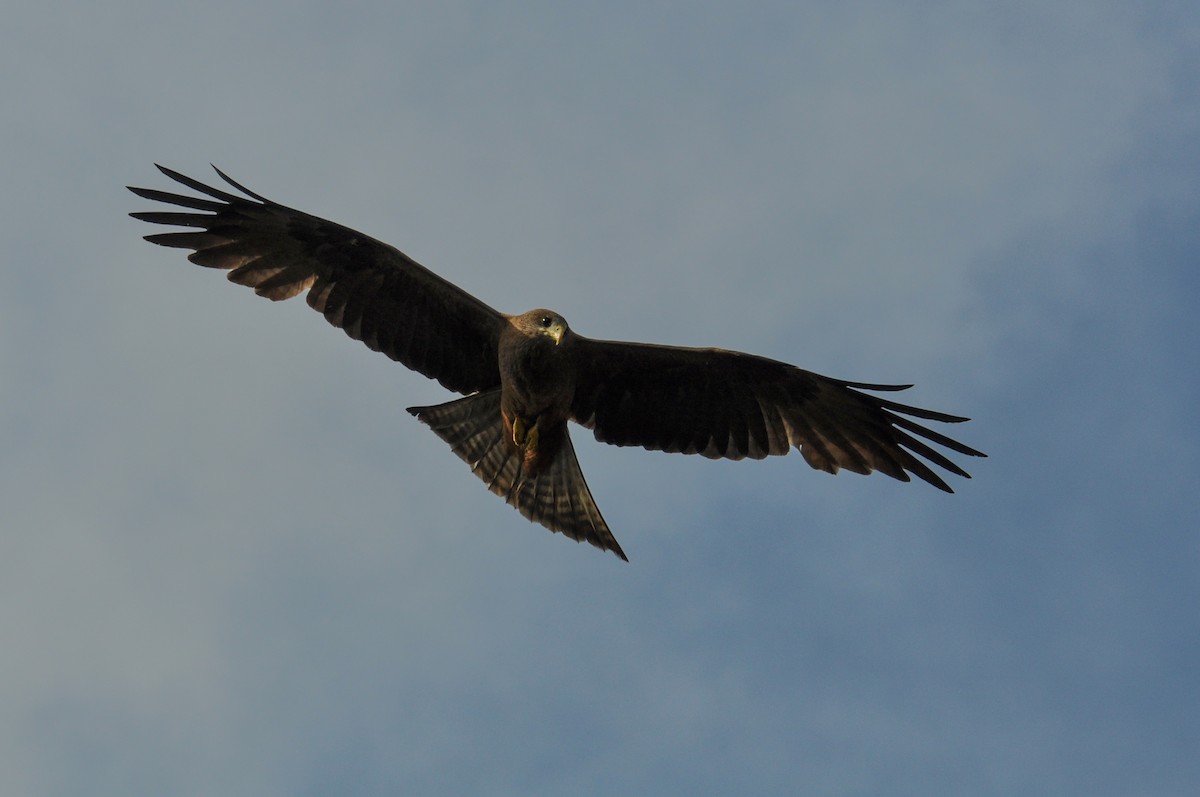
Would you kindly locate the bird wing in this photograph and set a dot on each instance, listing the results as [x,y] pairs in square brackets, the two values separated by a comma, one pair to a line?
[373,291]
[725,404]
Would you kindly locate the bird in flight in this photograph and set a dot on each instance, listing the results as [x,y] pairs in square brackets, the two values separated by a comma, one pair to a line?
[523,377]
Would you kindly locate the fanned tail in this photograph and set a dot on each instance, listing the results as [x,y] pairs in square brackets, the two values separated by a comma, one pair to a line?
[557,497]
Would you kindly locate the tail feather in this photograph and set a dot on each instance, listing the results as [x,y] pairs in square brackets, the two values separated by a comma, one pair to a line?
[557,497]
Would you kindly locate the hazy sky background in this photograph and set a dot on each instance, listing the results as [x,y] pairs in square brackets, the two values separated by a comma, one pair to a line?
[230,563]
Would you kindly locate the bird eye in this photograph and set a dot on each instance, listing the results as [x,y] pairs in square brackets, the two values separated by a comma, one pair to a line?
[545,321]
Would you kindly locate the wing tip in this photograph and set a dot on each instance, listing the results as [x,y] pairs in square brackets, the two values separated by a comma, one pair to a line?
[238,185]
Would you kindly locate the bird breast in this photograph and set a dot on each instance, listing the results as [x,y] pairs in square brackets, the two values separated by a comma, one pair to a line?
[536,375]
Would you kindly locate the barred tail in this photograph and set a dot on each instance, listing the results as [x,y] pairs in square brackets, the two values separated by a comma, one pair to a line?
[557,497]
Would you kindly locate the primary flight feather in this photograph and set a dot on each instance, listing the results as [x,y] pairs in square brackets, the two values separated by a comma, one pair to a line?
[524,376]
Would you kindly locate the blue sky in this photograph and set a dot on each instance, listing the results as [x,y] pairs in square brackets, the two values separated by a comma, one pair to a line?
[230,563]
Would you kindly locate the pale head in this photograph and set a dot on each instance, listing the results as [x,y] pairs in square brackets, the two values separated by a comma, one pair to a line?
[542,322]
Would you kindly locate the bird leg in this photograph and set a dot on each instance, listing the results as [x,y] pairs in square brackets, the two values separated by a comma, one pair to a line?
[525,437]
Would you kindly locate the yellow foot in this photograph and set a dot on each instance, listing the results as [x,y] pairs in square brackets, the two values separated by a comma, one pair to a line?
[525,437]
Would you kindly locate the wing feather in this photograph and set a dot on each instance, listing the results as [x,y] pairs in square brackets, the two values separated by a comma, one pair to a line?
[372,291]
[720,403]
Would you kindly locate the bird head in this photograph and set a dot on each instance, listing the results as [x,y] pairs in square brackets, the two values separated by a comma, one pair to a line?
[544,322]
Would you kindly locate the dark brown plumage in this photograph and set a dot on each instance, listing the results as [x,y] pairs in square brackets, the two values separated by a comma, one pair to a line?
[525,376]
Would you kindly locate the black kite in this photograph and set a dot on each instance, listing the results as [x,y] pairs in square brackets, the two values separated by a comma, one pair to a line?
[525,376]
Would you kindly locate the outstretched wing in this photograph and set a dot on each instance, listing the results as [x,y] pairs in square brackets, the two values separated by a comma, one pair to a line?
[727,404]
[373,291]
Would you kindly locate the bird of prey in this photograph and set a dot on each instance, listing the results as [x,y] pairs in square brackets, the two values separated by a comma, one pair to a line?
[524,376]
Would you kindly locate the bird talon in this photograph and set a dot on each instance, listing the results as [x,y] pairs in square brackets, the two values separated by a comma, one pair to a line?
[524,437]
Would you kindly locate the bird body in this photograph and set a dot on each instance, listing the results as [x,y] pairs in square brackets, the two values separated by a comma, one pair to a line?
[537,378]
